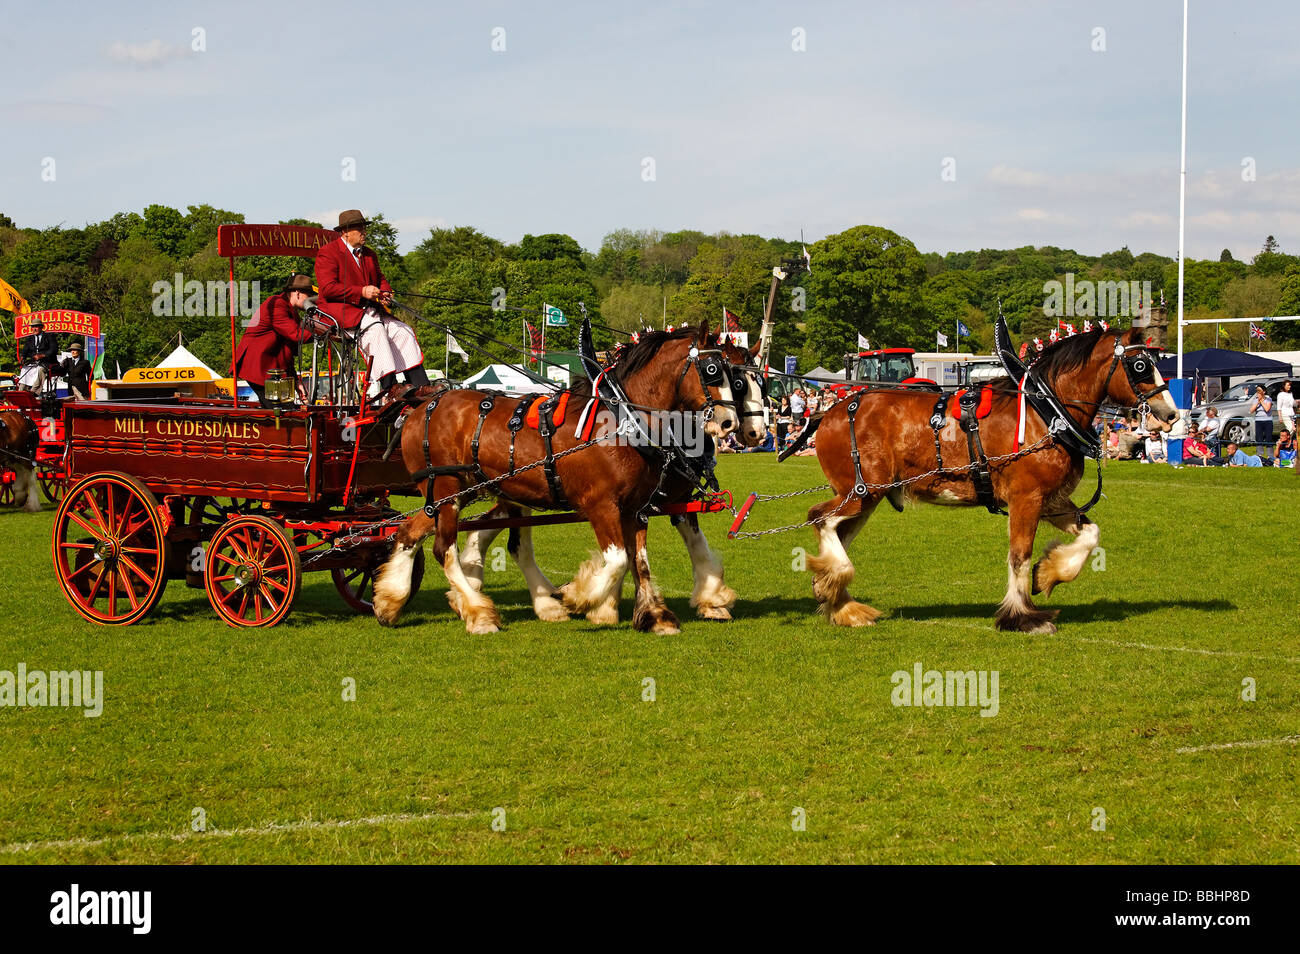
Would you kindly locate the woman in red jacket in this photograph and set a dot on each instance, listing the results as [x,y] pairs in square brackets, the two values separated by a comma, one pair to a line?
[270,342]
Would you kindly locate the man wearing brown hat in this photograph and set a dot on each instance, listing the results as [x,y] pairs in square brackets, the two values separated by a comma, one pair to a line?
[76,371]
[40,357]
[354,291]
[270,342]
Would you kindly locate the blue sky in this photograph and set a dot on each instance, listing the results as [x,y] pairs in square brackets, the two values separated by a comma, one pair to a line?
[1053,142]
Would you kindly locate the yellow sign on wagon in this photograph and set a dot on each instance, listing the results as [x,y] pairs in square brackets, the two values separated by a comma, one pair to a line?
[167,375]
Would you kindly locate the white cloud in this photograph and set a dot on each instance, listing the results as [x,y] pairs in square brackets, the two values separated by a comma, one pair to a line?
[154,53]
[1009,175]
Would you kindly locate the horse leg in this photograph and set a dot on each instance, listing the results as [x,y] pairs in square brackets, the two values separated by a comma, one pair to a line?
[650,613]
[597,585]
[1017,611]
[540,588]
[393,580]
[841,518]
[712,598]
[26,478]
[477,544]
[1062,562]
[476,609]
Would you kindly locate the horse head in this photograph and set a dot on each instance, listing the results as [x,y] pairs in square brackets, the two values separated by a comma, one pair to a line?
[746,385]
[1141,385]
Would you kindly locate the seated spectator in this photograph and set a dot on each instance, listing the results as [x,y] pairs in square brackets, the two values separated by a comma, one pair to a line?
[768,445]
[809,449]
[1284,450]
[729,445]
[1155,449]
[1194,450]
[793,434]
[1234,456]
[1210,428]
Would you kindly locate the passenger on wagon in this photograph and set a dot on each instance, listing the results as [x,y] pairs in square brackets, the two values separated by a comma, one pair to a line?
[76,371]
[270,342]
[40,357]
[352,290]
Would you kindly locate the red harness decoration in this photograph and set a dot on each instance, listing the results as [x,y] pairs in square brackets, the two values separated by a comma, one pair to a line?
[534,411]
[983,408]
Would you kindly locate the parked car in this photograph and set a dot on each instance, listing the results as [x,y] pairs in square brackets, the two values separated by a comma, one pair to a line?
[1233,406]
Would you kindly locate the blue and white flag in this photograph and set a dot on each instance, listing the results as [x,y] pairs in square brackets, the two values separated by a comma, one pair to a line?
[962,330]
[790,363]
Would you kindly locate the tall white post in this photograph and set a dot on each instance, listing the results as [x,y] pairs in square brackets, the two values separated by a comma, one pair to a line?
[1182,200]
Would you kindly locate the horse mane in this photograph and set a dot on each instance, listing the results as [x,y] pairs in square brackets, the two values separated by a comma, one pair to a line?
[1068,354]
[634,357]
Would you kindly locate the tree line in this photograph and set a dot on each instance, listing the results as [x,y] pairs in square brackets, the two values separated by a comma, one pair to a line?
[867,281]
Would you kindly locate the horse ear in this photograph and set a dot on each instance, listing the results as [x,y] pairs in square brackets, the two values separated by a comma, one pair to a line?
[702,333]
[1132,336]
[753,349]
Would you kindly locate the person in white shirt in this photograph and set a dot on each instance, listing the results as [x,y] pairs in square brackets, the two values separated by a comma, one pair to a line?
[1286,407]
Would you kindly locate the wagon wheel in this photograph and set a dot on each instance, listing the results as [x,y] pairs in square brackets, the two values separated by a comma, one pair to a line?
[252,572]
[52,485]
[357,584]
[211,510]
[109,550]
[7,479]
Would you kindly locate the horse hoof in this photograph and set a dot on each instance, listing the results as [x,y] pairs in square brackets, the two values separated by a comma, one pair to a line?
[855,614]
[720,613]
[665,628]
[482,623]
[603,616]
[550,610]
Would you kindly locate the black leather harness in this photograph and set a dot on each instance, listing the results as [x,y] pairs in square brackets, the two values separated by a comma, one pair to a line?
[484,409]
[546,428]
[978,468]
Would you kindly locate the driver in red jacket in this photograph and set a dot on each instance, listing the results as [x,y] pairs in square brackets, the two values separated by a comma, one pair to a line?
[270,343]
[351,289]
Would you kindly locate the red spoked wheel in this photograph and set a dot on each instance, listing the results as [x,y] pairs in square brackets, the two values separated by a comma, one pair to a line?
[357,584]
[252,572]
[109,549]
[53,485]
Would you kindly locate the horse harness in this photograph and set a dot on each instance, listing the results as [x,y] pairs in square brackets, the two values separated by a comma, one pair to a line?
[968,402]
[714,371]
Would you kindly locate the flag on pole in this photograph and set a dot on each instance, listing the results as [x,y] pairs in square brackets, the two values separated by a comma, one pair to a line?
[807,260]
[1257,332]
[942,338]
[534,340]
[554,317]
[962,330]
[453,347]
[730,323]
[1223,333]
[863,343]
[791,363]
[10,300]
[95,355]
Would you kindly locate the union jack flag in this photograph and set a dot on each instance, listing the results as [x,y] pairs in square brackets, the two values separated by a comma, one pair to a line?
[1257,332]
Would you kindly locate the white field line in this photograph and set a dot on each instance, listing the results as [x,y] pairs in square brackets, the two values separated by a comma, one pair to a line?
[1251,744]
[1226,653]
[274,828]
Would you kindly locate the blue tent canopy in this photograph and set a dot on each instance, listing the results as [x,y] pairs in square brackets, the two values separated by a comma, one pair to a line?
[1221,363]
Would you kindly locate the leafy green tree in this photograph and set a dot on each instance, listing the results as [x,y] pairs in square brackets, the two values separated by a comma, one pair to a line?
[444,246]
[1288,303]
[866,280]
[549,248]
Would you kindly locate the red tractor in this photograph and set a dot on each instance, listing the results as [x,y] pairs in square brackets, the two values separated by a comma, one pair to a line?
[882,366]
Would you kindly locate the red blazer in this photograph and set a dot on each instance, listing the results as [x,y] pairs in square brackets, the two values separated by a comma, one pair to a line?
[340,281]
[270,342]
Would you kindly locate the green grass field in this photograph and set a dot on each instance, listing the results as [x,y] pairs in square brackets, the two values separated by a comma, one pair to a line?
[543,727]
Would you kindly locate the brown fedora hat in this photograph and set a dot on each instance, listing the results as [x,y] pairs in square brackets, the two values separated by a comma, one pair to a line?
[351,219]
[299,283]
[75,346]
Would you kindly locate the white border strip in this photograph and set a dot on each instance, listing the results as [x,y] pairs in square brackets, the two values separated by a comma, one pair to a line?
[1252,744]
[274,828]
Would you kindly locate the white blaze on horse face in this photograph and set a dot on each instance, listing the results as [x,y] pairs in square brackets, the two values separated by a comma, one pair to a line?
[1162,406]
[723,421]
[752,429]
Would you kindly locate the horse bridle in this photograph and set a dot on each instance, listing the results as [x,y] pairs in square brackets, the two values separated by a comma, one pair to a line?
[1137,368]
[713,371]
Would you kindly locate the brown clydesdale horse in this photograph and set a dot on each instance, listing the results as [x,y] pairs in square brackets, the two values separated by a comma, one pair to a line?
[608,483]
[18,440]
[711,596]
[896,442]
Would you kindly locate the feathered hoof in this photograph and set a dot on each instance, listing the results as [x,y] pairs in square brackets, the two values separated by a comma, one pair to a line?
[457,603]
[604,616]
[720,613]
[660,620]
[550,610]
[1033,621]
[854,613]
[480,622]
